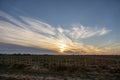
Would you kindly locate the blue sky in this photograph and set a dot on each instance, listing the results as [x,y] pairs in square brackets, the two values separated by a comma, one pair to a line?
[64,13]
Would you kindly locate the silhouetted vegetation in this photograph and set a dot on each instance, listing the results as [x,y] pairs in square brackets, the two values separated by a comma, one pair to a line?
[55,67]
[18,66]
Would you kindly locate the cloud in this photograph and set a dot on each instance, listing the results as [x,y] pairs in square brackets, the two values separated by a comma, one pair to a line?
[38,26]
[34,33]
[80,32]
[103,31]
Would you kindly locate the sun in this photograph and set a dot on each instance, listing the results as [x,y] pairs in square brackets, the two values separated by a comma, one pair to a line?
[62,47]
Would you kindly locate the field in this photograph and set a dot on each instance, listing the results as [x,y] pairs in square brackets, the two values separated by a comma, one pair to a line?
[59,67]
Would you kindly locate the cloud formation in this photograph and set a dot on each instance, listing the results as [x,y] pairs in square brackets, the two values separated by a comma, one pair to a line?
[80,31]
[32,32]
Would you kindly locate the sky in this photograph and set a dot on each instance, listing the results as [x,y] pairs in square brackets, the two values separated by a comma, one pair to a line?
[60,26]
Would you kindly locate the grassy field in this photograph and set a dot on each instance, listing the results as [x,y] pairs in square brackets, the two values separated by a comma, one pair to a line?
[59,67]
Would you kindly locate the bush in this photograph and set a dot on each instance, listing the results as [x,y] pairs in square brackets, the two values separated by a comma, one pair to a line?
[19,66]
[60,68]
[65,68]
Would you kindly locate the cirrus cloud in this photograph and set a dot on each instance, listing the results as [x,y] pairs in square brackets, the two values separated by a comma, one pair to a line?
[32,32]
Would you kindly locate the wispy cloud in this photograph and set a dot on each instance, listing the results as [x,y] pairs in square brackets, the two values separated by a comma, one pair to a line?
[80,32]
[32,32]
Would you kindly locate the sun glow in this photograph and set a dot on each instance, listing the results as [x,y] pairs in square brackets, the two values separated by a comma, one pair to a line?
[62,47]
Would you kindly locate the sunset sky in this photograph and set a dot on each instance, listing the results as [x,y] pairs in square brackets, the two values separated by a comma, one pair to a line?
[60,26]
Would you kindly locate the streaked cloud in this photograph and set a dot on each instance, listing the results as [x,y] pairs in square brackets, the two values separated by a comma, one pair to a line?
[34,33]
[80,31]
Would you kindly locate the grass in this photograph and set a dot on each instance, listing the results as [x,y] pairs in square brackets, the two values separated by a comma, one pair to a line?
[56,66]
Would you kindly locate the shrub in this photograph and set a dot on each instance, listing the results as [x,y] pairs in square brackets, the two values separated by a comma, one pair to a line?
[19,66]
